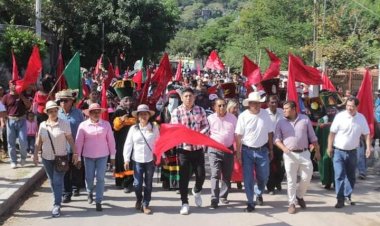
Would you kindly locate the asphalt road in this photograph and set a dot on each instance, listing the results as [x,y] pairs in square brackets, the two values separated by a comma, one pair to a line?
[118,208]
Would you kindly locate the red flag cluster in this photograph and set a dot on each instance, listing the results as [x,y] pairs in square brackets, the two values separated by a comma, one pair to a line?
[182,135]
[162,76]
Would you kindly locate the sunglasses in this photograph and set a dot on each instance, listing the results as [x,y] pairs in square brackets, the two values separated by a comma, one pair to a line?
[65,100]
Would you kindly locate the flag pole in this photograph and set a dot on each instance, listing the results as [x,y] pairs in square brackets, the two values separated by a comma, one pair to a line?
[52,89]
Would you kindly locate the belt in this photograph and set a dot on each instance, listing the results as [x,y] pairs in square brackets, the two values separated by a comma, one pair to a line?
[16,118]
[343,149]
[300,150]
[256,149]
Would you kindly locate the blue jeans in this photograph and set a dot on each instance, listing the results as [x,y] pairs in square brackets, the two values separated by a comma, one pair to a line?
[344,170]
[17,129]
[95,167]
[362,165]
[56,180]
[255,160]
[143,172]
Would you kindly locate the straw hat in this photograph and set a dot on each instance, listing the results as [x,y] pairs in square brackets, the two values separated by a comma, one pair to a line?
[66,94]
[50,105]
[253,97]
[142,108]
[93,107]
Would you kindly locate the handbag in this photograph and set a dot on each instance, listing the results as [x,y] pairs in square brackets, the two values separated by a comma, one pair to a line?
[61,163]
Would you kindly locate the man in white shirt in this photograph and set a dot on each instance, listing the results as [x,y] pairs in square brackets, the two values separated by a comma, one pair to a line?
[277,169]
[254,144]
[343,141]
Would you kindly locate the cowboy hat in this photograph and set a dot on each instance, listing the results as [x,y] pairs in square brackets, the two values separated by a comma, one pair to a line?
[93,107]
[142,108]
[66,94]
[50,105]
[253,97]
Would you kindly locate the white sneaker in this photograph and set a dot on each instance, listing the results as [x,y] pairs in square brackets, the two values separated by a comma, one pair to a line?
[56,212]
[13,165]
[184,209]
[197,198]
[23,162]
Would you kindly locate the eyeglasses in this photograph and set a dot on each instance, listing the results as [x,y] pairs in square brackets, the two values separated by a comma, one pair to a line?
[65,100]
[95,112]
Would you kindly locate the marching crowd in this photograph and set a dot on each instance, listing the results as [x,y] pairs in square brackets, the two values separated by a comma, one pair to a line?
[76,145]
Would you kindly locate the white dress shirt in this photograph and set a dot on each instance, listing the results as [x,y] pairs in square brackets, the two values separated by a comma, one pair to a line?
[275,117]
[135,143]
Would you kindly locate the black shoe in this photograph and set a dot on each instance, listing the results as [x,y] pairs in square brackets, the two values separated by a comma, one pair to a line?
[301,202]
[224,201]
[349,202]
[279,188]
[66,199]
[76,193]
[259,200]
[99,207]
[214,205]
[138,205]
[249,208]
[127,190]
[328,186]
[90,198]
[239,185]
[339,204]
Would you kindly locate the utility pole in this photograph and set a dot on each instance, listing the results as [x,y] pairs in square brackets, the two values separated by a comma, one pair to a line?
[38,17]
[314,31]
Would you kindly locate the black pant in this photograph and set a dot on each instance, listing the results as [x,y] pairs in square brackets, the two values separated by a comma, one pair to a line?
[74,178]
[277,171]
[190,161]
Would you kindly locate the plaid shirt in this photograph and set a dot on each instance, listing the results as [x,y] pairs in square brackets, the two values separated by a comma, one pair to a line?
[194,119]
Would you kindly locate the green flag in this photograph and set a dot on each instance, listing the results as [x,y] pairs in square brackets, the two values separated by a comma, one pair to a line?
[72,74]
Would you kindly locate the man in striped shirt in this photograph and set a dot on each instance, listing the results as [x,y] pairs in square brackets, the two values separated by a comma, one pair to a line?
[190,156]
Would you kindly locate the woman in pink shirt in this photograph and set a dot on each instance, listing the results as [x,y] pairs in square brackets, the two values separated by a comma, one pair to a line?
[95,142]
[32,129]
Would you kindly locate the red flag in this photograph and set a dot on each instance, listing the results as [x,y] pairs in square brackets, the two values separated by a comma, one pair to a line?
[106,83]
[32,72]
[251,71]
[366,101]
[98,66]
[178,74]
[15,74]
[144,92]
[327,84]
[214,62]
[274,67]
[117,71]
[164,73]
[291,84]
[60,67]
[182,135]
[138,79]
[303,73]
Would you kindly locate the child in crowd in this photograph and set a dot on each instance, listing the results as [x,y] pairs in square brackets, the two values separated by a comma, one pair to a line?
[32,128]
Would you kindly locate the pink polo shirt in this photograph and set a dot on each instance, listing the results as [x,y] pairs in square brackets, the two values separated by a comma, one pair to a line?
[222,129]
[95,140]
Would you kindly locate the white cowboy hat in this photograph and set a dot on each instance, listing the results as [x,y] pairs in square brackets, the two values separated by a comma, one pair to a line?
[142,108]
[50,105]
[253,97]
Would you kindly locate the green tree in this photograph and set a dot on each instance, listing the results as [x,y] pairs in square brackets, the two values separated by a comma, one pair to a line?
[21,41]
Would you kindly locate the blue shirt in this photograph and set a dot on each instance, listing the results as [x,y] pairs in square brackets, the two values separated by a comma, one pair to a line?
[377,109]
[74,117]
